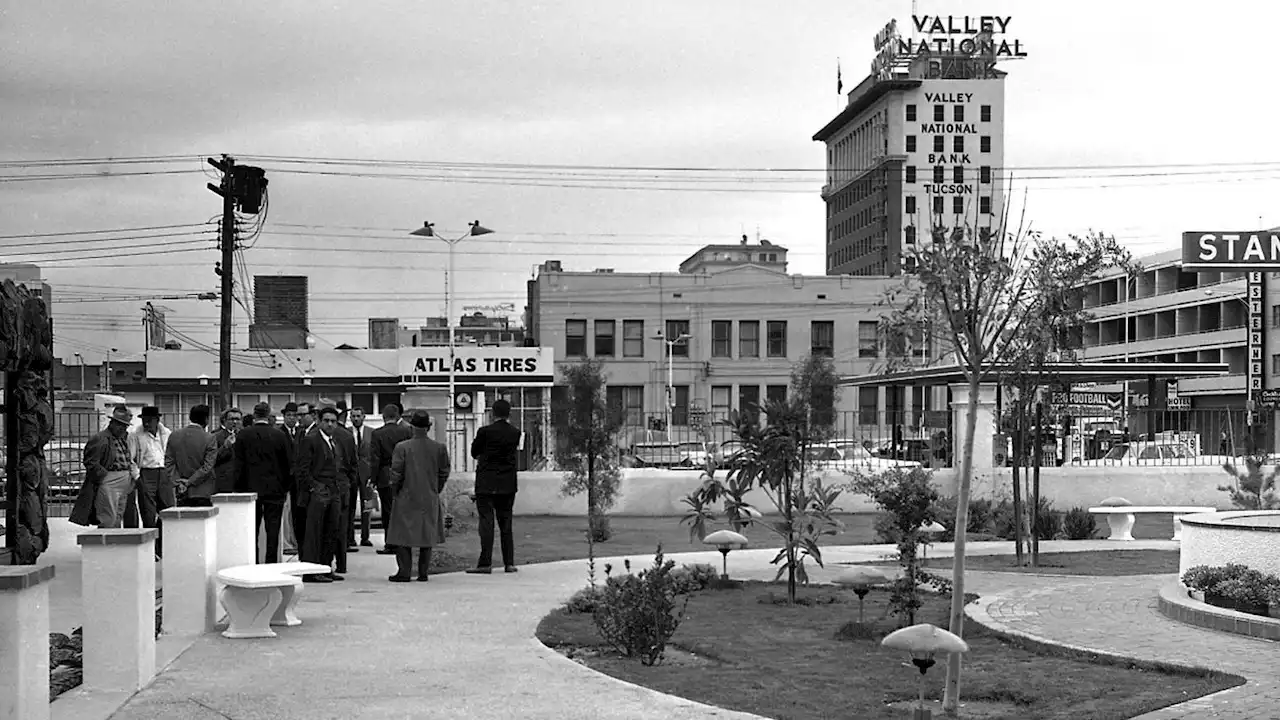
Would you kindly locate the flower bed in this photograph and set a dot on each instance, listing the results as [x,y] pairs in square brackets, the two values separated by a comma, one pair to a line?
[1236,587]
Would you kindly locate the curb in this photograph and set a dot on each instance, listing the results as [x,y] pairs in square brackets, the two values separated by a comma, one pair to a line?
[1175,604]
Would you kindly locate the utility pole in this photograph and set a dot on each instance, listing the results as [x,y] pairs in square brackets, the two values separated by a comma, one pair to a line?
[227,244]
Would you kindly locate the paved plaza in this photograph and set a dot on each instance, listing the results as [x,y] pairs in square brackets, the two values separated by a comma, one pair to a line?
[464,645]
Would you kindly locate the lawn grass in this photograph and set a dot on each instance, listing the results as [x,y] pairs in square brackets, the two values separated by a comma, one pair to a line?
[542,538]
[785,662]
[1099,563]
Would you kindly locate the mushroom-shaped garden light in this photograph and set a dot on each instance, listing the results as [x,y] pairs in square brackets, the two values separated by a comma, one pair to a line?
[930,530]
[860,578]
[726,540]
[923,641]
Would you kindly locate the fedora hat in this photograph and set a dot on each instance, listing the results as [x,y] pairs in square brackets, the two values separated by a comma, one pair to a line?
[120,413]
[150,411]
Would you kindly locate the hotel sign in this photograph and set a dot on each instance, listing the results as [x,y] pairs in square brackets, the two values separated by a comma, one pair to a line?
[1248,249]
[475,365]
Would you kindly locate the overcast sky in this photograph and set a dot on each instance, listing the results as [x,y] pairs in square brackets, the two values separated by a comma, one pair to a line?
[734,85]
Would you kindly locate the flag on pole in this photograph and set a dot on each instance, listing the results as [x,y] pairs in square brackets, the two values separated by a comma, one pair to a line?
[839,81]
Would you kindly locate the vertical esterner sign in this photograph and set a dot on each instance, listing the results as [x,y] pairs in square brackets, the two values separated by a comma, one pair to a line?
[1255,376]
[1245,249]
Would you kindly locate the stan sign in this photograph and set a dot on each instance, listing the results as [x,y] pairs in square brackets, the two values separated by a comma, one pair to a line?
[1253,250]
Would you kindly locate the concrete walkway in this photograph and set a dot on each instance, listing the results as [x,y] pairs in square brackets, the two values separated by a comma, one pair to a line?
[460,646]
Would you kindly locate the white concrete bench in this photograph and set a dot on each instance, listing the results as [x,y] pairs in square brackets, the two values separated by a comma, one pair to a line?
[259,596]
[1120,517]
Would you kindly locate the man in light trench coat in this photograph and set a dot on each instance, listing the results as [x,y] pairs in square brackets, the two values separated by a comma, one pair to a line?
[419,470]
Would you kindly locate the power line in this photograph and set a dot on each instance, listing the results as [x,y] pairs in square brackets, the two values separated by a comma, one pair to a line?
[100,232]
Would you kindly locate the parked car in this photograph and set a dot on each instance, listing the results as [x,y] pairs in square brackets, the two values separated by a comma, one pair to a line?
[1155,453]
[693,454]
[850,457]
[729,455]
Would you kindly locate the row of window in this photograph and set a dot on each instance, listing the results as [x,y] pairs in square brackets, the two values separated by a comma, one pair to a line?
[630,399]
[957,113]
[822,339]
[939,206]
[940,174]
[940,143]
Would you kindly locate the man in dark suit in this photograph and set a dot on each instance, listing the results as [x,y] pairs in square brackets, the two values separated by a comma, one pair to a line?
[189,458]
[306,421]
[361,489]
[263,465]
[495,449]
[348,478]
[393,431]
[289,427]
[224,468]
[319,471]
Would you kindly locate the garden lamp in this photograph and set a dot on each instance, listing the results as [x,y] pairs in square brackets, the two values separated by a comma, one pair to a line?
[923,641]
[860,579]
[726,540]
[931,530]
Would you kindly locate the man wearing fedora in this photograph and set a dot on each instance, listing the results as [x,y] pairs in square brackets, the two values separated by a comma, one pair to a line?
[109,469]
[147,447]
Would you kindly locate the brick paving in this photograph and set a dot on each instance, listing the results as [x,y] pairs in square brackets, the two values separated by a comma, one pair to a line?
[1120,616]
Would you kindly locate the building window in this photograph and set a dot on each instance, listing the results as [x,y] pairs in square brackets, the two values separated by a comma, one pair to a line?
[364,401]
[1275,316]
[629,400]
[721,338]
[939,174]
[984,205]
[575,338]
[911,205]
[984,143]
[957,143]
[958,112]
[749,398]
[911,113]
[721,401]
[957,204]
[919,345]
[676,328]
[939,113]
[938,206]
[632,338]
[604,338]
[775,394]
[909,234]
[939,143]
[984,113]
[822,338]
[911,174]
[1275,364]
[777,330]
[748,338]
[911,143]
[984,174]
[868,406]
[680,413]
[868,339]
[957,174]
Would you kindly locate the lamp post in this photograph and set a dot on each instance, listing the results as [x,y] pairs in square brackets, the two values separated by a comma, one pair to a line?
[81,359]
[671,391]
[427,231]
[106,382]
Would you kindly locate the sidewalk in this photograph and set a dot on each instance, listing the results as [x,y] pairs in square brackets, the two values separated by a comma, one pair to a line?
[458,646]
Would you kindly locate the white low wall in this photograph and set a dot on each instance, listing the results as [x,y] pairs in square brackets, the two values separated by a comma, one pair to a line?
[649,492]
[1248,537]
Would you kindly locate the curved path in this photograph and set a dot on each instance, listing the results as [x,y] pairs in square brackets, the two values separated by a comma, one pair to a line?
[464,646]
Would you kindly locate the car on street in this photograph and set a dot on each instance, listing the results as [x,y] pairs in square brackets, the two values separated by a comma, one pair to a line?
[1154,453]
[849,457]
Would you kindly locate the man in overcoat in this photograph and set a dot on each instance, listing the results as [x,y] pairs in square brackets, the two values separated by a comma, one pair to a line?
[495,449]
[109,474]
[419,470]
[394,430]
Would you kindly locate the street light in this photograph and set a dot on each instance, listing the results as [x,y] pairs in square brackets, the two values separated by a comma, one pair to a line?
[427,231]
[81,359]
[671,391]
[106,382]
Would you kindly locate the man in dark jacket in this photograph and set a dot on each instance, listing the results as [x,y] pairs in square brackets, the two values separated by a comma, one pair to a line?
[108,468]
[224,469]
[319,475]
[495,449]
[189,458]
[393,431]
[263,464]
[348,477]
[359,496]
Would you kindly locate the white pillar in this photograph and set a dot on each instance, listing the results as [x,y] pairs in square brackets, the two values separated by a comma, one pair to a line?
[24,642]
[188,568]
[237,522]
[118,589]
[983,441]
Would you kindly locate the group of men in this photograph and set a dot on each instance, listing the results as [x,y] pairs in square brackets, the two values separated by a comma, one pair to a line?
[314,476]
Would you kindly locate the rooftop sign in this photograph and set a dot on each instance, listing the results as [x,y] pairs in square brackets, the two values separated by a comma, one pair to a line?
[954,38]
[1246,249]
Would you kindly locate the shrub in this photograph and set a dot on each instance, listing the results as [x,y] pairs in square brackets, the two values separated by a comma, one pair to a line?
[886,528]
[909,500]
[637,614]
[584,601]
[1205,577]
[691,578]
[1244,591]
[599,529]
[1048,524]
[1079,524]
[981,517]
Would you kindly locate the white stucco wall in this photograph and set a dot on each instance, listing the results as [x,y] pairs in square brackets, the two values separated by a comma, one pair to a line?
[1223,538]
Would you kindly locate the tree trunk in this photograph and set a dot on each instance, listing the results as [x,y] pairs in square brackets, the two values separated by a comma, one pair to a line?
[951,698]
[1019,451]
[1035,488]
[791,541]
[591,500]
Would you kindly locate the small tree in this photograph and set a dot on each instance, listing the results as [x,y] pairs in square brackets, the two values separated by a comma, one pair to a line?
[908,496]
[586,449]
[1254,488]
[813,384]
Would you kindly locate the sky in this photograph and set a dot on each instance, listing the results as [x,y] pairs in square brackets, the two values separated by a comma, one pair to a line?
[601,134]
